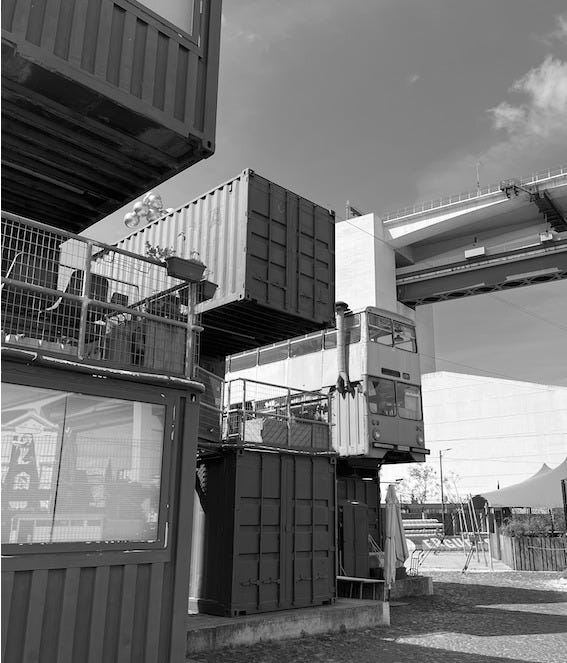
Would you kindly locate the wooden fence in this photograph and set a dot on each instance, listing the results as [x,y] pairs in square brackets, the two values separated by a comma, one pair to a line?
[534,553]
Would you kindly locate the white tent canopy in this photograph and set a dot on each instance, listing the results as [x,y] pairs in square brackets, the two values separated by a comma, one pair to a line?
[543,490]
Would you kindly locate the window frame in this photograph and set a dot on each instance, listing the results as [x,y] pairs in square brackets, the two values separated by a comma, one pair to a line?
[92,385]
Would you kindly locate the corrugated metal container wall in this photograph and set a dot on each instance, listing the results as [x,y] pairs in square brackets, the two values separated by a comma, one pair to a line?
[270,251]
[269,532]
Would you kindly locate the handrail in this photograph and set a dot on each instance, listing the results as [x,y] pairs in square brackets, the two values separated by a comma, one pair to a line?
[468,195]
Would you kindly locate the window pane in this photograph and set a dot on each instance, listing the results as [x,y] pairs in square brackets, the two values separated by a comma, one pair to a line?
[409,401]
[241,362]
[404,337]
[305,346]
[382,397]
[352,328]
[78,467]
[330,340]
[380,329]
[277,353]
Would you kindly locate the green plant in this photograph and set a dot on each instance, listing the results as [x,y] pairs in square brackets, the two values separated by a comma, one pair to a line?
[157,252]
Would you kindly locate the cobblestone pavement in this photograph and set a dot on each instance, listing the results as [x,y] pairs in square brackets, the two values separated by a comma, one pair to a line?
[478,617]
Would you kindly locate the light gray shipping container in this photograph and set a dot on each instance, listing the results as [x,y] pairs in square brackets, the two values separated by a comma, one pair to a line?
[271,252]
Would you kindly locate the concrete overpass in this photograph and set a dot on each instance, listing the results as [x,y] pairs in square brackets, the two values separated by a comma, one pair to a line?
[501,237]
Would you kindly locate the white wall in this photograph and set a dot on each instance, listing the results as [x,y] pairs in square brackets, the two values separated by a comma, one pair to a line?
[365,264]
[491,431]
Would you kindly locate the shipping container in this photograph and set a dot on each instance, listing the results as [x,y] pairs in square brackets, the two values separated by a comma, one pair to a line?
[268,532]
[112,97]
[270,251]
[95,540]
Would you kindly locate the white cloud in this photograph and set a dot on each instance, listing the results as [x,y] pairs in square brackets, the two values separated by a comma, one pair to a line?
[413,78]
[560,33]
[535,134]
[545,110]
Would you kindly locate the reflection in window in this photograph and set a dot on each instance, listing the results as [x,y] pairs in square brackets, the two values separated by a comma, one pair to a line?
[380,329]
[79,468]
[382,397]
[404,337]
[409,401]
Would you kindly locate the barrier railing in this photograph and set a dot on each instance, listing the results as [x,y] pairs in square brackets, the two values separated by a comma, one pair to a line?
[65,294]
[269,415]
[468,195]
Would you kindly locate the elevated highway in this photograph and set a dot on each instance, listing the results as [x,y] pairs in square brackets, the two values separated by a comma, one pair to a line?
[501,237]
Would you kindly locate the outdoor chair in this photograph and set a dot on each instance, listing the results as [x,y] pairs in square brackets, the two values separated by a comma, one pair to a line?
[62,320]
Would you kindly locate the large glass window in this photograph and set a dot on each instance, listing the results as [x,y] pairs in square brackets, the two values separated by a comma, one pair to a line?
[404,337]
[409,401]
[382,397]
[77,467]
[380,329]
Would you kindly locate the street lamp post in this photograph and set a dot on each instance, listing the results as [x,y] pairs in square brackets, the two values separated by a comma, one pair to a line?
[441,485]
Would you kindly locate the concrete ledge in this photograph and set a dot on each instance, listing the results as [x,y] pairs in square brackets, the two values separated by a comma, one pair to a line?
[207,633]
[412,586]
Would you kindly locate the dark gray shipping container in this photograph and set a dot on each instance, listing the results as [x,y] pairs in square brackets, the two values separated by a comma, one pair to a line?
[271,252]
[269,532]
[105,601]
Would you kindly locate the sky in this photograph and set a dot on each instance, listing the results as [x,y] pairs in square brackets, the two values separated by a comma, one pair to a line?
[391,102]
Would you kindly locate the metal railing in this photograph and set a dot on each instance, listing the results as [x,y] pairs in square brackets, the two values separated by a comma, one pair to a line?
[269,415]
[64,294]
[468,195]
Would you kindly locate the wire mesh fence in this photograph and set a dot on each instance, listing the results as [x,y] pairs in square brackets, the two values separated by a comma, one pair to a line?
[65,294]
[274,416]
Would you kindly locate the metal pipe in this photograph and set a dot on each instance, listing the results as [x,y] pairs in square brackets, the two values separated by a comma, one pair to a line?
[343,382]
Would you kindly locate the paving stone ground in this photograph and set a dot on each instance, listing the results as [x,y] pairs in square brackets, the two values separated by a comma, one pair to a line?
[477,617]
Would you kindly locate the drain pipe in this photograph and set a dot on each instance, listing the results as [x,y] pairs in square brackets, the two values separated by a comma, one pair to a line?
[343,382]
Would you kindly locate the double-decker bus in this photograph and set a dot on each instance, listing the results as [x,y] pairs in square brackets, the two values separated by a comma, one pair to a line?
[369,363]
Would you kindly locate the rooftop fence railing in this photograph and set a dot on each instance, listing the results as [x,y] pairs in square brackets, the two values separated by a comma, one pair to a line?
[65,294]
[269,415]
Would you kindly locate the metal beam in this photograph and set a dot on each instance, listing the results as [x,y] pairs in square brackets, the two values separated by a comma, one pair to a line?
[550,211]
[495,272]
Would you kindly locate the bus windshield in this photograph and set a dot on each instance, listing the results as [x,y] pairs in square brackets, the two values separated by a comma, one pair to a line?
[382,397]
[408,398]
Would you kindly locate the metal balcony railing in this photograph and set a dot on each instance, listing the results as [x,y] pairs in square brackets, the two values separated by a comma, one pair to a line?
[268,415]
[63,294]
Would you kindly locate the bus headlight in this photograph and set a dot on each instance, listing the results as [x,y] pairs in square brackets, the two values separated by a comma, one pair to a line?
[376,435]
[419,438]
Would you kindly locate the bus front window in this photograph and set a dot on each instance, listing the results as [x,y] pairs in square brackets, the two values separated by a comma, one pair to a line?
[404,337]
[379,329]
[382,397]
[409,401]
